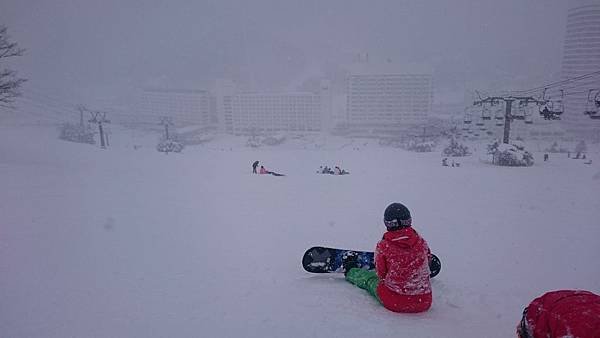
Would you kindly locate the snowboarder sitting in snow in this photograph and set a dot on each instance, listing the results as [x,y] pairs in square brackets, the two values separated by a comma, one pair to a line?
[264,171]
[563,313]
[401,278]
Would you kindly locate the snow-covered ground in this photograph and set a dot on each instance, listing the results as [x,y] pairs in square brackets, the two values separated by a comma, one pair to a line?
[134,243]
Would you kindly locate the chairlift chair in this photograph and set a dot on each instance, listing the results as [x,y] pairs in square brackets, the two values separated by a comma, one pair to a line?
[485,113]
[552,109]
[592,105]
[480,123]
[499,115]
[467,119]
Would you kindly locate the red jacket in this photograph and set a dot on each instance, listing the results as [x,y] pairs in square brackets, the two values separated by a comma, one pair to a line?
[402,264]
[564,313]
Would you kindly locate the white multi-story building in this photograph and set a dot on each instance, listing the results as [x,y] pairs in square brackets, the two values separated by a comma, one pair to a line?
[581,55]
[184,107]
[383,98]
[271,112]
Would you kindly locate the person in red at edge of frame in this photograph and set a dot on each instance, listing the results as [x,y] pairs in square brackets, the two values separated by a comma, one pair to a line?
[400,281]
[562,313]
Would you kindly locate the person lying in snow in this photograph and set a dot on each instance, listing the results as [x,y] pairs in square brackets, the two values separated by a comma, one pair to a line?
[264,171]
[400,281]
[562,313]
[339,171]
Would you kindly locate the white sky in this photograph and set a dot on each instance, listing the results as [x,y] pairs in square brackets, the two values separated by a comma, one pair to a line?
[105,47]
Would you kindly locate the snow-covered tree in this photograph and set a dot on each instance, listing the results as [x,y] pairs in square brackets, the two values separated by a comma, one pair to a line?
[169,145]
[76,133]
[511,155]
[420,147]
[456,149]
[253,142]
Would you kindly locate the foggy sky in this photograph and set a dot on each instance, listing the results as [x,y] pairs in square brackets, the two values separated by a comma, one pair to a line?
[105,48]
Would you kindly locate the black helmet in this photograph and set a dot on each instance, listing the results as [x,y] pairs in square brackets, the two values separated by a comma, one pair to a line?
[396,216]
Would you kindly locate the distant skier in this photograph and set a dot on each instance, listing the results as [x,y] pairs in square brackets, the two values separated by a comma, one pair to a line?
[401,278]
[254,165]
[562,313]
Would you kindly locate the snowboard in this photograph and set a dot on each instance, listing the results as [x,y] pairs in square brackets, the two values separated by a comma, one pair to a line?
[320,259]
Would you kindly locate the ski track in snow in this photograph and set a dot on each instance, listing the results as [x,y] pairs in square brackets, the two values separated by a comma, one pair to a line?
[135,243]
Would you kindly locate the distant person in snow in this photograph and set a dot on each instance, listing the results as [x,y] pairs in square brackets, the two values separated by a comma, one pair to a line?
[254,165]
[562,313]
[264,171]
[337,170]
[401,278]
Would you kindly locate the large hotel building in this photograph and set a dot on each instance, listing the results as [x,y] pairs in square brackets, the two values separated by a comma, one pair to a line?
[581,55]
[383,99]
[244,113]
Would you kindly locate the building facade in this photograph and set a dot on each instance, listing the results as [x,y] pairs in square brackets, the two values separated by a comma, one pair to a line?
[385,100]
[184,107]
[581,56]
[271,112]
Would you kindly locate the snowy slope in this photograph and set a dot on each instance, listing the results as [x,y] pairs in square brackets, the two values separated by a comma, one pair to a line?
[135,243]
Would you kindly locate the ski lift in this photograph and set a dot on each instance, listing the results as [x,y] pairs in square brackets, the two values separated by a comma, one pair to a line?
[485,113]
[592,105]
[528,118]
[479,123]
[561,107]
[499,115]
[500,123]
[467,118]
[551,110]
[520,114]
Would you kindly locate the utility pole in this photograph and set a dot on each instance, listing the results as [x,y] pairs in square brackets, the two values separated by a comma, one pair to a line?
[508,116]
[81,109]
[99,119]
[166,121]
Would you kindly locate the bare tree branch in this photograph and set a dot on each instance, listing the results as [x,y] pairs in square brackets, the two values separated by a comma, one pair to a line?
[9,82]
